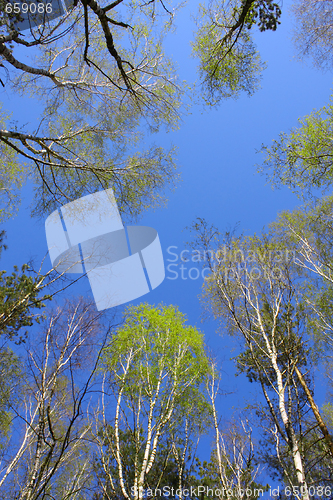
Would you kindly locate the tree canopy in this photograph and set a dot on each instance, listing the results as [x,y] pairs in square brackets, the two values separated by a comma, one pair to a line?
[94,406]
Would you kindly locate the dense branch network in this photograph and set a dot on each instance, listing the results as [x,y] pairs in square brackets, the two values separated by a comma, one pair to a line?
[97,101]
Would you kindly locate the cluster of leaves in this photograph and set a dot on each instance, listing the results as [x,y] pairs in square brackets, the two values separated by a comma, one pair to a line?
[229,61]
[264,13]
[19,299]
[10,371]
[302,159]
[164,357]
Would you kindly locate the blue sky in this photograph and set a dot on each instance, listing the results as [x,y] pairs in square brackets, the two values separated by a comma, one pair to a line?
[217,158]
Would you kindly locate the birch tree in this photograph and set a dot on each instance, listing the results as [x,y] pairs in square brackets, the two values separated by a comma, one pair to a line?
[233,468]
[302,158]
[309,230]
[47,453]
[302,161]
[254,289]
[313,31]
[96,101]
[153,368]
[229,62]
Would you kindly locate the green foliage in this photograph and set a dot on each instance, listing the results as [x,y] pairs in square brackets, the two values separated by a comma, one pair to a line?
[229,63]
[259,290]
[287,336]
[156,342]
[163,472]
[45,398]
[264,13]
[302,159]
[105,84]
[11,175]
[233,466]
[327,411]
[309,231]
[209,477]
[19,299]
[10,371]
[155,366]
[98,101]
[316,460]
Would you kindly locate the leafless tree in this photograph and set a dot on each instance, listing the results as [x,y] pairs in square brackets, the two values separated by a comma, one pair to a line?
[233,453]
[47,454]
[313,31]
